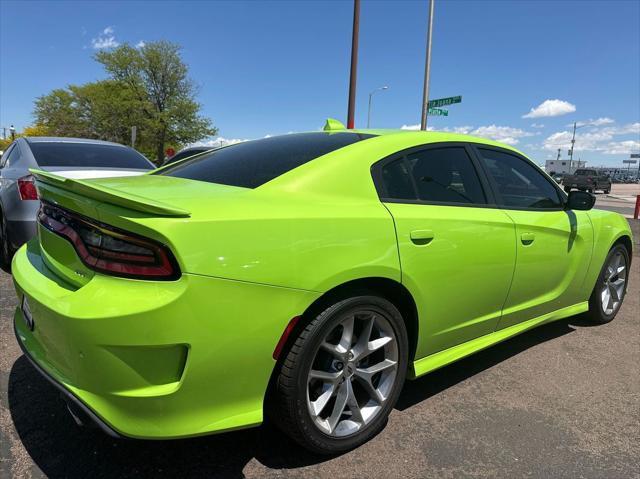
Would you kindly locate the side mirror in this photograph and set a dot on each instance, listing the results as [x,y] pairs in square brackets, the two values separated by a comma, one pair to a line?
[580,200]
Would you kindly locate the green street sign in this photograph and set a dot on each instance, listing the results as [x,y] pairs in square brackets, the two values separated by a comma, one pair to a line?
[438,112]
[445,101]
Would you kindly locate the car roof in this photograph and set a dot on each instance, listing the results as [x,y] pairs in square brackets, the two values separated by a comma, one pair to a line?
[60,139]
[435,137]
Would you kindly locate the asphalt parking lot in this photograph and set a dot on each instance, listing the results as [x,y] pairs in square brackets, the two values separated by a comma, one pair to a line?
[559,401]
[622,199]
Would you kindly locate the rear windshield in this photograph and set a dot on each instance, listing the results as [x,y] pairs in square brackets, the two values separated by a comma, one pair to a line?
[253,163]
[88,155]
[585,172]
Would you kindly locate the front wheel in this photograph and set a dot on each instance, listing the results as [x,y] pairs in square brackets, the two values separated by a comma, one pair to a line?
[343,375]
[611,286]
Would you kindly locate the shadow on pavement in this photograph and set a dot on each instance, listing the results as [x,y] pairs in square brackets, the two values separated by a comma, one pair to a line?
[61,449]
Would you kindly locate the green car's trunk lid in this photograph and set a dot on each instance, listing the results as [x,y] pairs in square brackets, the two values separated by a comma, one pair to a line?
[147,205]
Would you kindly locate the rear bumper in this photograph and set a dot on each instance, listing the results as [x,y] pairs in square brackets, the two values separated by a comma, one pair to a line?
[155,359]
[70,398]
[20,231]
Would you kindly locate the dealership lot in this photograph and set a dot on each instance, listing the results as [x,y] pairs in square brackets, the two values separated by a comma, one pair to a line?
[560,401]
[622,199]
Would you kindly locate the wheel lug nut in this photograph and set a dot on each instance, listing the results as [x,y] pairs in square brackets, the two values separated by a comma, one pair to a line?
[339,366]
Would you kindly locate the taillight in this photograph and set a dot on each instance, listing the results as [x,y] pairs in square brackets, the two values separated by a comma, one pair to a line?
[27,188]
[110,250]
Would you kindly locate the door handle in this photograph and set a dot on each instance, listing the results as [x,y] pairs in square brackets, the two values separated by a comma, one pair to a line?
[421,237]
[527,238]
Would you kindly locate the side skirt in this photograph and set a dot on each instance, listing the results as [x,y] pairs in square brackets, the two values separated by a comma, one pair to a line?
[448,356]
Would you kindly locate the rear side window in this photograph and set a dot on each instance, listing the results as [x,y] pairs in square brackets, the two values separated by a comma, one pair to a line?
[253,163]
[186,154]
[519,183]
[438,175]
[4,161]
[87,155]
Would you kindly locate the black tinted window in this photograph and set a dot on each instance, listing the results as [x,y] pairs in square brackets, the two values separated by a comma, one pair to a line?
[87,155]
[396,181]
[442,175]
[181,155]
[445,175]
[520,184]
[253,163]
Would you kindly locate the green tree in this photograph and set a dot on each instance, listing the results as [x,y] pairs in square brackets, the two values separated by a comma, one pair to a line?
[148,88]
[158,79]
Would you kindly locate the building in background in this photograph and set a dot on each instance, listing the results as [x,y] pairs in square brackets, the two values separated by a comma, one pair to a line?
[563,167]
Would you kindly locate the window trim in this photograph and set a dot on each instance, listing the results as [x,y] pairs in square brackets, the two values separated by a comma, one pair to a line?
[476,147]
[376,175]
[5,155]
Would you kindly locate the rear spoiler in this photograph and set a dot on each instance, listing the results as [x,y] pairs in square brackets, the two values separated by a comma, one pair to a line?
[108,195]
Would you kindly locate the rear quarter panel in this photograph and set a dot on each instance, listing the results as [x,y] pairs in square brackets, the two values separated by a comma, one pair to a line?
[608,227]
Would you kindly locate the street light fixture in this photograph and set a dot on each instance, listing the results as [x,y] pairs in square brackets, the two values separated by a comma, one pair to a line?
[370,97]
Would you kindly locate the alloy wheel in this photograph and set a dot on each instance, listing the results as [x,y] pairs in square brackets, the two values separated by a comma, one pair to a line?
[352,374]
[615,279]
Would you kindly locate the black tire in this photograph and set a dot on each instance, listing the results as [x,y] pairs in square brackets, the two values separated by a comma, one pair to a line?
[289,408]
[590,190]
[596,311]
[5,246]
[607,191]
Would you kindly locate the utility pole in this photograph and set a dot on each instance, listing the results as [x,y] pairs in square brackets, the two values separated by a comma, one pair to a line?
[354,65]
[427,70]
[573,142]
[558,157]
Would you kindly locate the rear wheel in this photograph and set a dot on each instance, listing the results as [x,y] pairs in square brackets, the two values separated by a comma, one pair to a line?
[343,375]
[5,245]
[611,286]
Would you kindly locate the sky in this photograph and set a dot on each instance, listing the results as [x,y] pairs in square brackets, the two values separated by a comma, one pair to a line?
[526,70]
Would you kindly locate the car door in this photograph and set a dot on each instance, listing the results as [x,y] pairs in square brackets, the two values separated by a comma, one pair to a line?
[457,252]
[553,245]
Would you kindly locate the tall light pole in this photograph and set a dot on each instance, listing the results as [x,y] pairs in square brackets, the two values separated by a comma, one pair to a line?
[573,140]
[427,70]
[370,97]
[354,64]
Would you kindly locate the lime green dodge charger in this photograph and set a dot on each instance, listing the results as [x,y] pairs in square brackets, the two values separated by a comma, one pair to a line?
[302,277]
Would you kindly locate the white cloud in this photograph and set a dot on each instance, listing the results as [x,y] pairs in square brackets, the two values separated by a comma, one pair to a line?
[537,125]
[551,108]
[630,129]
[416,127]
[597,139]
[597,122]
[140,44]
[622,147]
[220,141]
[504,134]
[106,39]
